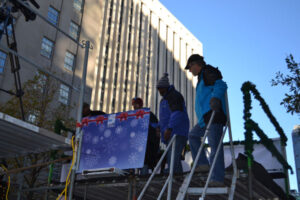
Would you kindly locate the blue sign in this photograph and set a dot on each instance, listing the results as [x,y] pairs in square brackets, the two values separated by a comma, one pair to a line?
[116,140]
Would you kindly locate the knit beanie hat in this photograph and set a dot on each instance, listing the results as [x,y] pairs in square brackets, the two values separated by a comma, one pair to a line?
[163,81]
[137,100]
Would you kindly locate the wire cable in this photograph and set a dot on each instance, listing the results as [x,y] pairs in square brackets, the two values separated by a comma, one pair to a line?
[8,183]
[65,191]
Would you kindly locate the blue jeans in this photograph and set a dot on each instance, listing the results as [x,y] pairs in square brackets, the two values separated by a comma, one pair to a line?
[179,146]
[214,136]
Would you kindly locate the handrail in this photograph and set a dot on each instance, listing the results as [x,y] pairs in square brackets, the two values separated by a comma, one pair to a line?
[170,178]
[185,188]
[234,165]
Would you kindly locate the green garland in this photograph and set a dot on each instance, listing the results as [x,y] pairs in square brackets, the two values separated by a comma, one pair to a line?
[250,125]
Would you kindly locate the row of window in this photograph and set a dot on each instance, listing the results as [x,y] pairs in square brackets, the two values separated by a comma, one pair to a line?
[46,50]
[53,16]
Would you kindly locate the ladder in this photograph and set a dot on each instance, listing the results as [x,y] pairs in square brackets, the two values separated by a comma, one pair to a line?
[170,177]
[203,191]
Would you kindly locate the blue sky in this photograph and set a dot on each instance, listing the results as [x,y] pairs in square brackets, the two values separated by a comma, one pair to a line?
[248,41]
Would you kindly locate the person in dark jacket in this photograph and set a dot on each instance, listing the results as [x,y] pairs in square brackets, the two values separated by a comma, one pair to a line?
[173,120]
[87,112]
[152,141]
[210,96]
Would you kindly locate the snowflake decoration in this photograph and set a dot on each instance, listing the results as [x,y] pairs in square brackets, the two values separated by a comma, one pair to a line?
[112,160]
[107,133]
[119,130]
[133,158]
[88,151]
[95,140]
[144,124]
[132,134]
[110,145]
[139,142]
[134,122]
[140,149]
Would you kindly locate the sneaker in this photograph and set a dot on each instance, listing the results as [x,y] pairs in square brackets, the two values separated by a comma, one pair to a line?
[202,168]
[216,184]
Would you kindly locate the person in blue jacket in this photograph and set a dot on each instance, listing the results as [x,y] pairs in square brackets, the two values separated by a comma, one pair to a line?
[173,120]
[210,96]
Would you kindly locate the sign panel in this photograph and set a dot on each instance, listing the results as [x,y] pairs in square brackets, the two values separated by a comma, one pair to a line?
[117,140]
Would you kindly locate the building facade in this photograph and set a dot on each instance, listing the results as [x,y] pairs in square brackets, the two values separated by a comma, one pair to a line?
[134,42]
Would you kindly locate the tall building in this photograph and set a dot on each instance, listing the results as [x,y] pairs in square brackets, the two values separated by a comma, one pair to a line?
[296,144]
[134,43]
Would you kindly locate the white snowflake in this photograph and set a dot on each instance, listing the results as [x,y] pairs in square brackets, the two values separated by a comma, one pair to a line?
[107,133]
[140,149]
[133,157]
[132,134]
[139,142]
[101,138]
[95,140]
[134,122]
[144,124]
[88,151]
[112,160]
[119,130]
[110,145]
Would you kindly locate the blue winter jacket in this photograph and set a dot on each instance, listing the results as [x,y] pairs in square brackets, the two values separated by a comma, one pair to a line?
[173,114]
[204,92]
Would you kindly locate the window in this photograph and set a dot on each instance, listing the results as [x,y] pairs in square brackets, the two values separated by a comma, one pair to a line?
[64,94]
[53,15]
[69,61]
[2,61]
[33,117]
[41,81]
[77,4]
[47,47]
[73,31]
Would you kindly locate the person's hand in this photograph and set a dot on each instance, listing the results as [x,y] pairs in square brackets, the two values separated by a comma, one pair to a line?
[158,132]
[215,104]
[167,134]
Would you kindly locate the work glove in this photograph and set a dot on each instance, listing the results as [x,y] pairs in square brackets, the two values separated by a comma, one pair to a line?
[215,104]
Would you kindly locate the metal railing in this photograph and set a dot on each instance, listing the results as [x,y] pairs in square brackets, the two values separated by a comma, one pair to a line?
[171,170]
[185,186]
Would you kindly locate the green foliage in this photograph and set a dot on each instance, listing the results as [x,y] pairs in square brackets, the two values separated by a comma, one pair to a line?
[39,100]
[251,126]
[292,99]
